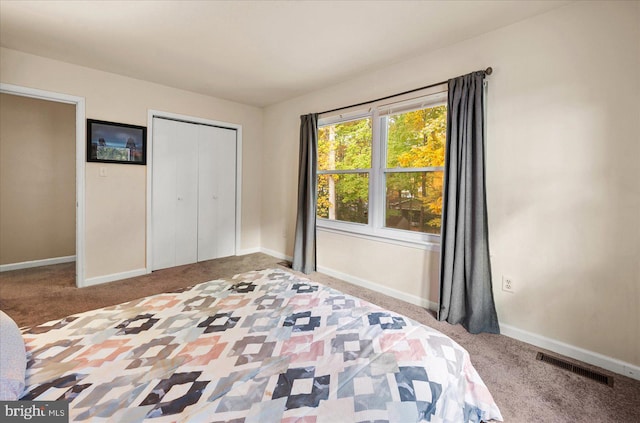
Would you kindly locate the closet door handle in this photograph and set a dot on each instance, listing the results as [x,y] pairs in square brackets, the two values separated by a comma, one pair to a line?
[179,198]
[215,197]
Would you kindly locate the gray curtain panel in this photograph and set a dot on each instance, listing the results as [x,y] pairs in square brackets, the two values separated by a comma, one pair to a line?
[466,294]
[304,249]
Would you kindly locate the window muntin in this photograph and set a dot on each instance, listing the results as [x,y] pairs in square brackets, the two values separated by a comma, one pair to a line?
[399,197]
[344,164]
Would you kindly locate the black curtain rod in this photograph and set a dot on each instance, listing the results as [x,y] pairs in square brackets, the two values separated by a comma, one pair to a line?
[488,71]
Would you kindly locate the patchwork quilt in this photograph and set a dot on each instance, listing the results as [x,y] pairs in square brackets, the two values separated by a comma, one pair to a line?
[264,346]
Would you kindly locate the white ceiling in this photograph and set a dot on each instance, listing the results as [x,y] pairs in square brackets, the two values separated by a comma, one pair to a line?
[253,52]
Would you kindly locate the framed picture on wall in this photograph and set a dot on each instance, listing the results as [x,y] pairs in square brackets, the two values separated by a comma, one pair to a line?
[111,142]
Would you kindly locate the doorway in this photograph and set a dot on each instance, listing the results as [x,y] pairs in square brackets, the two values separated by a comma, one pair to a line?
[43,180]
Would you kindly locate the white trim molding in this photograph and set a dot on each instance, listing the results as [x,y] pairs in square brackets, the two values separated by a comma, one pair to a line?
[36,263]
[80,160]
[247,251]
[276,254]
[577,353]
[113,277]
[412,299]
[381,237]
[394,293]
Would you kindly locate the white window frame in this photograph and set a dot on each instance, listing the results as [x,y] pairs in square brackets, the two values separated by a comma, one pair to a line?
[376,229]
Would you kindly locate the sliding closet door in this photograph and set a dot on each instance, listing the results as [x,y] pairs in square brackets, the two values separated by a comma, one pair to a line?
[217,192]
[174,193]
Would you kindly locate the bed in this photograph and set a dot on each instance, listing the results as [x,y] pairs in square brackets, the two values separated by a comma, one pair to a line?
[263,346]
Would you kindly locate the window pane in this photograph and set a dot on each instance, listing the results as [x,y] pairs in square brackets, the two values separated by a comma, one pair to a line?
[414,201]
[345,146]
[417,139]
[344,197]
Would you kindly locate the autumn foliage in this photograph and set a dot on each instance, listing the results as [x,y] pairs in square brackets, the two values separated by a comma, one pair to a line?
[414,159]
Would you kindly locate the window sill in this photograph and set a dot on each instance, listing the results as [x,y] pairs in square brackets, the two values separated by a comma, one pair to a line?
[363,232]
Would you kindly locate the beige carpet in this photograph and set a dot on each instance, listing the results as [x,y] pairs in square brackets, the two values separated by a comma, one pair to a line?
[525,389]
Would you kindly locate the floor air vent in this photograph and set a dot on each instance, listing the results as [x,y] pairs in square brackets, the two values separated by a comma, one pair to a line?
[590,374]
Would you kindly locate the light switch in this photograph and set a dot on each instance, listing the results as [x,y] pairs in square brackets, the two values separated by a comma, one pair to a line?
[103,171]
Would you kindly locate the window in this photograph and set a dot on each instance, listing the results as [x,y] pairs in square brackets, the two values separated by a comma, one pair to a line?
[414,169]
[380,171]
[344,164]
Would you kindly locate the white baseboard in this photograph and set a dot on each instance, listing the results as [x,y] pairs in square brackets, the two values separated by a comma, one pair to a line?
[276,254]
[113,277]
[36,263]
[577,353]
[413,299]
[247,251]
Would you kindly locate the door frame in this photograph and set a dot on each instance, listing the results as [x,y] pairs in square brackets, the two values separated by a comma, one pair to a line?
[79,102]
[196,120]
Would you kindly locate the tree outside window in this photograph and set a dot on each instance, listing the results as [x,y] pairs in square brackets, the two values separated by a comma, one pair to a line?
[415,142]
[346,148]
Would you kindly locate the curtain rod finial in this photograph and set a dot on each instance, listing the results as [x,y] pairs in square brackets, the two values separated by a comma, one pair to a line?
[489,70]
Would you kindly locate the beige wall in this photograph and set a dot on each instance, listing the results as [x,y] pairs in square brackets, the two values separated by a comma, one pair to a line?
[562,173]
[116,204]
[37,179]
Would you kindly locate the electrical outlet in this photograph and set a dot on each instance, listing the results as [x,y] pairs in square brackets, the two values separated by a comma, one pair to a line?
[507,284]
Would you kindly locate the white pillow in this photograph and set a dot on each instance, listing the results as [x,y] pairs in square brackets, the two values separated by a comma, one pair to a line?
[13,359]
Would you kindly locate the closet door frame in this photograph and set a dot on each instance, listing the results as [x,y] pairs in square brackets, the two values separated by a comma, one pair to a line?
[190,119]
